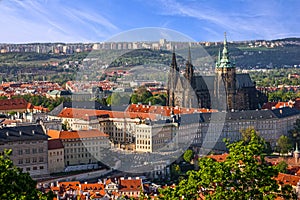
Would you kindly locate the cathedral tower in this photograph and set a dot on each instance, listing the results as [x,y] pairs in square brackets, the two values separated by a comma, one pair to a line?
[189,70]
[172,80]
[225,82]
[190,100]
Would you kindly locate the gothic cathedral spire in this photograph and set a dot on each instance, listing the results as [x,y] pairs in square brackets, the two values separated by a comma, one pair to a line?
[224,62]
[189,70]
[172,80]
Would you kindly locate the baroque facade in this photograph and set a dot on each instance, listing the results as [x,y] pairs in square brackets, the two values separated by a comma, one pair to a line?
[226,90]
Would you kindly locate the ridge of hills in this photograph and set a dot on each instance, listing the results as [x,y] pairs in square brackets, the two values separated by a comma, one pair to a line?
[278,53]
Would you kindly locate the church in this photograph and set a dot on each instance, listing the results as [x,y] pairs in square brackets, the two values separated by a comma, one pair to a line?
[226,90]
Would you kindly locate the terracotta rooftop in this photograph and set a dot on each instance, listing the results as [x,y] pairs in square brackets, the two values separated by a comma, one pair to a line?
[55,144]
[287,179]
[219,158]
[289,160]
[13,104]
[130,185]
[76,134]
[87,114]
[92,186]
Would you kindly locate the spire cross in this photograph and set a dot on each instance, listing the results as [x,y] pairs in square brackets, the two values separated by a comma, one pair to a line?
[225,38]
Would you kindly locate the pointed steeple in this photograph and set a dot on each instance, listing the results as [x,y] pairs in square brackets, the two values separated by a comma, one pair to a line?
[174,63]
[189,69]
[225,61]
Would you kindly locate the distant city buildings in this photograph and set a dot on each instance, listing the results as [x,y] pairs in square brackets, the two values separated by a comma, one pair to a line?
[65,48]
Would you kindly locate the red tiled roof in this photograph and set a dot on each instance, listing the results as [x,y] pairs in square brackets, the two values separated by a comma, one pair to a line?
[74,185]
[287,179]
[165,110]
[53,133]
[41,108]
[126,185]
[55,144]
[13,104]
[85,114]
[92,186]
[289,160]
[76,134]
[219,158]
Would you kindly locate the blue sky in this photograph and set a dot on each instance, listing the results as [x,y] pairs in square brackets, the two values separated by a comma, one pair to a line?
[25,21]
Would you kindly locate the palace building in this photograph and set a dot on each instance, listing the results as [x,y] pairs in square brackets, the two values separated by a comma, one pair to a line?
[226,90]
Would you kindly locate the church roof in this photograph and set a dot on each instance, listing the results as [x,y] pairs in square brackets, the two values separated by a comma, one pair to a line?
[243,80]
[205,82]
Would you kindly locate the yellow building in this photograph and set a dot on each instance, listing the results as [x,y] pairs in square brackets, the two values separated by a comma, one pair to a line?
[82,147]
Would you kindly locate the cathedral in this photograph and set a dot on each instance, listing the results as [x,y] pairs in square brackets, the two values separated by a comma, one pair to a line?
[226,90]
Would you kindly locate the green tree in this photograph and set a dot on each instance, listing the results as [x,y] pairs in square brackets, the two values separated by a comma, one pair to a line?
[16,185]
[188,155]
[247,133]
[141,95]
[294,133]
[243,175]
[284,144]
[175,171]
[282,167]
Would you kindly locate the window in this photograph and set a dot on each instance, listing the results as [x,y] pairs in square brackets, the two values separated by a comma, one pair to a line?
[20,151]
[34,151]
[27,168]
[34,160]
[41,150]
[20,161]
[27,160]
[27,151]
[41,159]
[34,168]
[41,167]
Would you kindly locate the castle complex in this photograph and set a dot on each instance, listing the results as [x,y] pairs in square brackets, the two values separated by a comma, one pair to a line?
[226,90]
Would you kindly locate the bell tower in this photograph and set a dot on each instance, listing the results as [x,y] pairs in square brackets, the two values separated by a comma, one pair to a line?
[225,82]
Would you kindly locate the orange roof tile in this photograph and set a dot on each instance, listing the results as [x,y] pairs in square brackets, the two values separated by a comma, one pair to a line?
[92,186]
[219,158]
[53,133]
[287,179]
[13,104]
[76,134]
[130,185]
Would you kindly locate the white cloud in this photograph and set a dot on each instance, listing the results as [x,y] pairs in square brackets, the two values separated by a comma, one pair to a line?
[30,21]
[260,20]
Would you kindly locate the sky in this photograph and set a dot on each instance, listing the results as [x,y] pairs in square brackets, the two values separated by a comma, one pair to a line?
[25,21]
